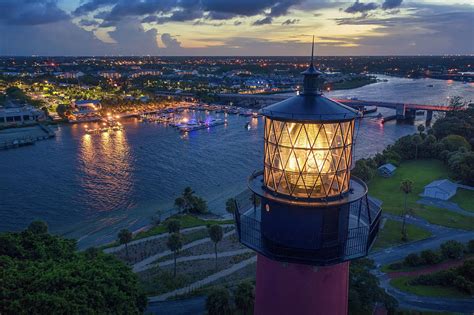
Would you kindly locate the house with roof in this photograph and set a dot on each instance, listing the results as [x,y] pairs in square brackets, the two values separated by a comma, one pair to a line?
[440,189]
[387,170]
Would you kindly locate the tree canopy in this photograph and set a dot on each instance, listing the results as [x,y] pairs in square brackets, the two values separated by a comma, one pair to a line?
[43,273]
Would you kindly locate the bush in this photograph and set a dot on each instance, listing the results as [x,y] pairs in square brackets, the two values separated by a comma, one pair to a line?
[452,249]
[463,285]
[429,257]
[412,260]
[470,247]
[218,302]
[395,266]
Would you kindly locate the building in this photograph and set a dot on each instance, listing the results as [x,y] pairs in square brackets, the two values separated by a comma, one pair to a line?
[304,214]
[111,74]
[20,115]
[87,106]
[70,75]
[387,170]
[440,189]
[144,72]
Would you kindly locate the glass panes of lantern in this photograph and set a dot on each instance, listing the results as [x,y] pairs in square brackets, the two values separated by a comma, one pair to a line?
[309,160]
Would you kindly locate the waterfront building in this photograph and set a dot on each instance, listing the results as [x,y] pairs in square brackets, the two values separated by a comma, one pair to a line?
[304,214]
[387,170]
[440,189]
[22,114]
[87,106]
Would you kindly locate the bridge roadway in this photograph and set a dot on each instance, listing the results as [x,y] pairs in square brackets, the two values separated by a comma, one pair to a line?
[264,99]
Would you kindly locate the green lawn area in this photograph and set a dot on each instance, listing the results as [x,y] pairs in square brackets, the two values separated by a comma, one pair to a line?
[424,290]
[421,172]
[391,234]
[465,199]
[187,221]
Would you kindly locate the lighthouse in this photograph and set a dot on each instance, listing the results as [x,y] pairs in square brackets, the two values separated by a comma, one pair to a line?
[304,214]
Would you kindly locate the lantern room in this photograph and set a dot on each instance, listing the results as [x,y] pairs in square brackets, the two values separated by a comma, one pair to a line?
[304,206]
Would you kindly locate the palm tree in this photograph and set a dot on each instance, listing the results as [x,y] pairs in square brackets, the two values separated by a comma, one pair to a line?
[421,128]
[406,186]
[125,236]
[230,205]
[174,243]
[417,141]
[215,233]
[173,226]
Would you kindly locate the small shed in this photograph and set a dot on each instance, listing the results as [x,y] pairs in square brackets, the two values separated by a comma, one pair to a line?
[440,189]
[387,170]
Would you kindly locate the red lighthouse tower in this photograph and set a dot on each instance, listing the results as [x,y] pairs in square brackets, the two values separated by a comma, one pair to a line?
[304,214]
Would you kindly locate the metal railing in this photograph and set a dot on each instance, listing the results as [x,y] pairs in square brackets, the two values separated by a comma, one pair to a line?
[329,248]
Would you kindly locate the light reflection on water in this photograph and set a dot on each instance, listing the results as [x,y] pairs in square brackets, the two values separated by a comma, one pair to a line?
[91,186]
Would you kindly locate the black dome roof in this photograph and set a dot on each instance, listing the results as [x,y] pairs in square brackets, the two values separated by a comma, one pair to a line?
[310,107]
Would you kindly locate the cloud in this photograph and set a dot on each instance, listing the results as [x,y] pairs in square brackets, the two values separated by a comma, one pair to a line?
[358,7]
[86,22]
[186,10]
[264,21]
[237,23]
[170,41]
[290,22]
[132,39]
[26,12]
[391,4]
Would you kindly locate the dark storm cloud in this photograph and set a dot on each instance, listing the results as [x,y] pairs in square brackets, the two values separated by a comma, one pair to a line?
[290,22]
[358,7]
[264,21]
[391,4]
[170,41]
[187,10]
[26,12]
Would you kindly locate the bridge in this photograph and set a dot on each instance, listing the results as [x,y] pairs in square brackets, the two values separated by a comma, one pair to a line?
[403,110]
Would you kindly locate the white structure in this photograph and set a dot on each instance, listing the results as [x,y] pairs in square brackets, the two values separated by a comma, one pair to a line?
[440,189]
[387,170]
[17,115]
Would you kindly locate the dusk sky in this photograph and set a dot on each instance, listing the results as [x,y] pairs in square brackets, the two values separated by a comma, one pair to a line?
[240,27]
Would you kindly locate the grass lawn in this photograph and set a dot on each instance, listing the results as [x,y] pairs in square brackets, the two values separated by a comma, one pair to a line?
[187,221]
[424,290]
[391,234]
[421,172]
[465,199]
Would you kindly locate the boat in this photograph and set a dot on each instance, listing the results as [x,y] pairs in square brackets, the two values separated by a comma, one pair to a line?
[430,85]
[247,125]
[193,124]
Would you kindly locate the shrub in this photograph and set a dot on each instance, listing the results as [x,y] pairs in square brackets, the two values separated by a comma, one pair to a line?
[395,266]
[218,302]
[429,257]
[412,260]
[452,249]
[470,247]
[463,285]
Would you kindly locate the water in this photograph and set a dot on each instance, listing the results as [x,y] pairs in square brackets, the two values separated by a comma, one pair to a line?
[90,187]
